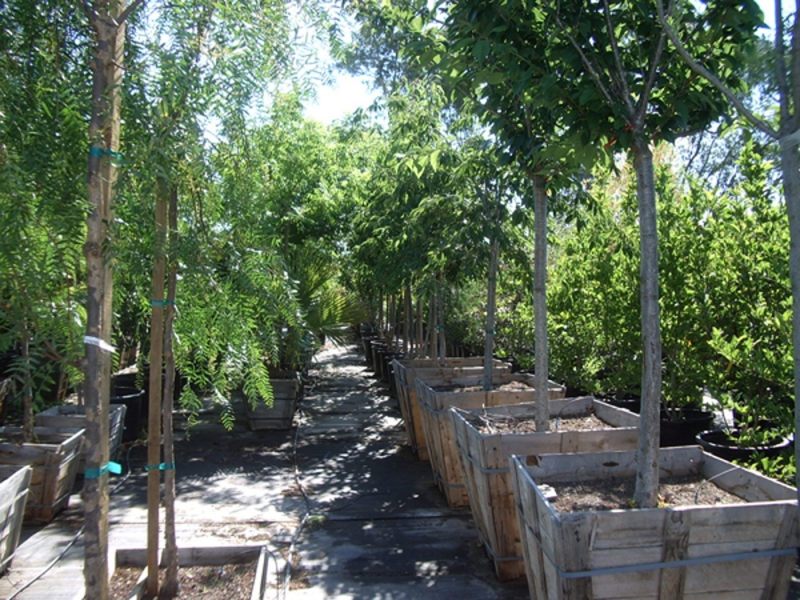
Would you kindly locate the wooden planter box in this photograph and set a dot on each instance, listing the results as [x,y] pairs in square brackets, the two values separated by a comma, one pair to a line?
[71,417]
[484,458]
[286,394]
[54,459]
[406,373]
[438,426]
[735,551]
[14,484]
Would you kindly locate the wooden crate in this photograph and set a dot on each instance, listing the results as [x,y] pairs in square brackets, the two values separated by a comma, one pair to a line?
[438,426]
[736,552]
[14,484]
[286,394]
[484,458]
[406,373]
[70,417]
[54,458]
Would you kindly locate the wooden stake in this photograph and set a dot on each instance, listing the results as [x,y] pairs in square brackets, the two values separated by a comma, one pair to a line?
[156,365]
[171,586]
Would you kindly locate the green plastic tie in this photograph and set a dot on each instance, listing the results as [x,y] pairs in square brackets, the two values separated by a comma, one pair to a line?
[160,467]
[111,467]
[162,302]
[99,152]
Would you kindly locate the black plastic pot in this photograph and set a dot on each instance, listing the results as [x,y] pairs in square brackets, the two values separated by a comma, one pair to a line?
[680,426]
[631,404]
[723,444]
[136,414]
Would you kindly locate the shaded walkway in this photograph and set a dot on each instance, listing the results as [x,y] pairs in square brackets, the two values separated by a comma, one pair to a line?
[385,530]
[377,527]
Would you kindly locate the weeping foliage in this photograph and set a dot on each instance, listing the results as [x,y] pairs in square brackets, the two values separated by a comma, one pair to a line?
[43,108]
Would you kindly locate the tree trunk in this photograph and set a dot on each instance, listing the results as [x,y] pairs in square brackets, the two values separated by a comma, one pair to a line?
[540,304]
[104,130]
[646,495]
[156,366]
[381,333]
[430,341]
[391,308]
[408,314]
[442,342]
[418,350]
[488,345]
[27,392]
[171,586]
[790,165]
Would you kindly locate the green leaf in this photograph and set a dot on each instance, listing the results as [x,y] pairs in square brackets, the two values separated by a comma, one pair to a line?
[481,50]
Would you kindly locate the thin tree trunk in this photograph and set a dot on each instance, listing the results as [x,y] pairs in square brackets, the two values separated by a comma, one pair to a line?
[108,26]
[156,366]
[171,586]
[646,494]
[442,349]
[408,315]
[540,304]
[392,310]
[790,165]
[381,333]
[491,299]
[418,350]
[430,340]
[27,392]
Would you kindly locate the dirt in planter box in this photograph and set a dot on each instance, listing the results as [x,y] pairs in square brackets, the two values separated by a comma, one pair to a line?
[220,582]
[491,424]
[511,386]
[616,493]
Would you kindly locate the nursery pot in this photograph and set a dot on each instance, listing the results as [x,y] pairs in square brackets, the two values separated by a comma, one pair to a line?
[136,410]
[631,404]
[680,426]
[724,444]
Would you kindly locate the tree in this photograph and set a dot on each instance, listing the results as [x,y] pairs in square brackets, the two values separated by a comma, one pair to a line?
[622,85]
[44,100]
[787,133]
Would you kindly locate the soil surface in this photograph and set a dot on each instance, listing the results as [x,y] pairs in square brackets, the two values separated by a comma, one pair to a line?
[491,424]
[511,386]
[221,582]
[609,494]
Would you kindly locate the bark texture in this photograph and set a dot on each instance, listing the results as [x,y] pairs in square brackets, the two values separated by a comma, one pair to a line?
[171,586]
[491,301]
[540,304]
[646,495]
[104,135]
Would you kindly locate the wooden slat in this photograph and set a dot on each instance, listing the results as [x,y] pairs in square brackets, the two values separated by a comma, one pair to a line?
[676,547]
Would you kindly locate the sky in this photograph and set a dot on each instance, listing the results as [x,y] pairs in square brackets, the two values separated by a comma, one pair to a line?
[347,94]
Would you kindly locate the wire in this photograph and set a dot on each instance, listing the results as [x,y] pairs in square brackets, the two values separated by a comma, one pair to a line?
[287,577]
